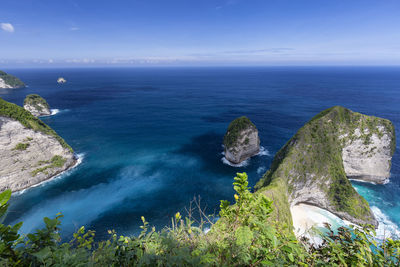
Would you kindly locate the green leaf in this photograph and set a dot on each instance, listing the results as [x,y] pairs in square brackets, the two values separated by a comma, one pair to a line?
[244,236]
[4,197]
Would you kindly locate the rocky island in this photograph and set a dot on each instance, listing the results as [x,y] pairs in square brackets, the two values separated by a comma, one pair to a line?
[241,140]
[313,167]
[31,152]
[36,105]
[8,81]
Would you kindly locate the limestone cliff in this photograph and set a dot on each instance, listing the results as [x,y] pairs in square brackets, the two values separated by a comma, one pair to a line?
[31,152]
[314,165]
[36,105]
[241,140]
[8,81]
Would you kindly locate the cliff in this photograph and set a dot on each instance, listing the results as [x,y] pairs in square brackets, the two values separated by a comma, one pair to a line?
[314,165]
[241,140]
[36,105]
[31,152]
[9,81]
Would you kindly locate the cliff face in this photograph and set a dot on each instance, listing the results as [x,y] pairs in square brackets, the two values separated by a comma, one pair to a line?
[367,155]
[31,152]
[241,140]
[314,165]
[36,105]
[8,81]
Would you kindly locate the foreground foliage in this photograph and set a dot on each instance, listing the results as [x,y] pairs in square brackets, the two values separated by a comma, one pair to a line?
[244,235]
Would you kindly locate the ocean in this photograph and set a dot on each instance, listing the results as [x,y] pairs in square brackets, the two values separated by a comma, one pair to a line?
[150,139]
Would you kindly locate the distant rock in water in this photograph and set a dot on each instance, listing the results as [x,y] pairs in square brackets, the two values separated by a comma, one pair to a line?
[241,140]
[30,151]
[36,105]
[8,81]
[61,80]
[315,164]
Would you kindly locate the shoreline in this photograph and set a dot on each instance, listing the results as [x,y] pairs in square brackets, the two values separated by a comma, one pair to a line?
[78,161]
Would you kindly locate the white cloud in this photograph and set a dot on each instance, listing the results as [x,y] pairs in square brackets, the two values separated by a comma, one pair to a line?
[73,28]
[8,27]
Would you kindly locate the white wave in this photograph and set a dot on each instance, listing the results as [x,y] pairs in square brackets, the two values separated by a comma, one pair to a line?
[263,152]
[58,176]
[241,164]
[261,170]
[54,111]
[361,181]
[386,228]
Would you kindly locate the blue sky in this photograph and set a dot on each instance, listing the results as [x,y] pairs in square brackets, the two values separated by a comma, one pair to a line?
[199,32]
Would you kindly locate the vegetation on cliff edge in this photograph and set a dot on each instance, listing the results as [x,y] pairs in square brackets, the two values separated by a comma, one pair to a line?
[11,80]
[36,101]
[18,113]
[234,130]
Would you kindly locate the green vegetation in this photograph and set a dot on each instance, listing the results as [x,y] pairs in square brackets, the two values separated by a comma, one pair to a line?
[21,146]
[55,162]
[11,80]
[314,153]
[36,101]
[234,130]
[243,236]
[16,112]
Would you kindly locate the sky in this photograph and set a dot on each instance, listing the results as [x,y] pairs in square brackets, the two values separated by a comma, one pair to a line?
[199,32]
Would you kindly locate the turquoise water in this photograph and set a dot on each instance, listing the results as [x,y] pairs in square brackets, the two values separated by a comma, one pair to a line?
[150,139]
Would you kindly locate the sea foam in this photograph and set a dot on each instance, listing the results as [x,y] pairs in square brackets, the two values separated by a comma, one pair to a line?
[241,164]
[386,228]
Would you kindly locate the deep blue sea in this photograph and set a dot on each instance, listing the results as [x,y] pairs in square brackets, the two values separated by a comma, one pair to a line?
[150,138]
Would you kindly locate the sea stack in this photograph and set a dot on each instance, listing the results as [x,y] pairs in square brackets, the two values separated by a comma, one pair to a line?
[36,105]
[8,81]
[315,165]
[61,80]
[31,152]
[241,140]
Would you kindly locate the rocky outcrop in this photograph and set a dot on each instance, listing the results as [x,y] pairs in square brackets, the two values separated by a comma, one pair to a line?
[31,152]
[314,166]
[61,80]
[8,81]
[36,105]
[241,140]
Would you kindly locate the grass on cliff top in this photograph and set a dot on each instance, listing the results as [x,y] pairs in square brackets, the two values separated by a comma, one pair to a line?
[314,152]
[16,112]
[234,129]
[11,80]
[56,162]
[37,101]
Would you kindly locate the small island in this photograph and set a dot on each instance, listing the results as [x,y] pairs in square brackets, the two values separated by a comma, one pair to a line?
[61,80]
[36,105]
[241,140]
[8,81]
[31,152]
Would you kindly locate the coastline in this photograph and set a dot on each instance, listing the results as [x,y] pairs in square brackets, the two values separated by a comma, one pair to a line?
[78,160]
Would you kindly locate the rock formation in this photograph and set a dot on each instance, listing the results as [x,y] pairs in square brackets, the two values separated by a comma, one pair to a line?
[36,105]
[31,152]
[241,140]
[8,81]
[314,165]
[61,80]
